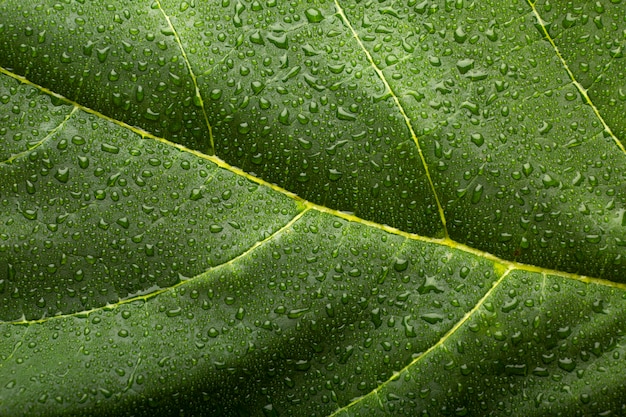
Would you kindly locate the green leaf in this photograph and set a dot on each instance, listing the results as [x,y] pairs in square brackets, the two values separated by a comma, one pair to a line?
[312,208]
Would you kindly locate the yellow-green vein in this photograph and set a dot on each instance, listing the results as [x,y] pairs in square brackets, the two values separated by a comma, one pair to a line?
[581,89]
[407,120]
[15,347]
[198,96]
[452,244]
[43,140]
[152,294]
[439,343]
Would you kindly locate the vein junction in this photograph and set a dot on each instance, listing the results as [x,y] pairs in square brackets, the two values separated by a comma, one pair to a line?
[305,205]
[42,141]
[406,118]
[198,96]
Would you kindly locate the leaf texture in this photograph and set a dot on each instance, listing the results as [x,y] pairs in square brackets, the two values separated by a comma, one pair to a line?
[312,208]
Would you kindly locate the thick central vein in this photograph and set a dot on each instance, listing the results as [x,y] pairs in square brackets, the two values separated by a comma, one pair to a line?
[407,120]
[581,89]
[307,205]
[198,96]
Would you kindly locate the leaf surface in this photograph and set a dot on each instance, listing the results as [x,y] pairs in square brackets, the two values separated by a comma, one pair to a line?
[312,208]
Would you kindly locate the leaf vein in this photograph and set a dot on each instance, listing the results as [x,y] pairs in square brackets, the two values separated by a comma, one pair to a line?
[439,343]
[16,347]
[192,75]
[152,294]
[452,244]
[406,118]
[581,89]
[43,140]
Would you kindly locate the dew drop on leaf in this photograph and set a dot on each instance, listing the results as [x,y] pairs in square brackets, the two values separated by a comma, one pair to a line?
[314,15]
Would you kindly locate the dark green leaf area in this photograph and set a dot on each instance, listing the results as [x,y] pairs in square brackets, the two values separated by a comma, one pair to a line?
[95,214]
[518,158]
[596,61]
[539,345]
[121,61]
[321,313]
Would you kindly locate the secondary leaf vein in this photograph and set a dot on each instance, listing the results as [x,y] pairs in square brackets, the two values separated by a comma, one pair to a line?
[152,294]
[439,343]
[406,118]
[581,89]
[198,96]
[43,140]
[16,347]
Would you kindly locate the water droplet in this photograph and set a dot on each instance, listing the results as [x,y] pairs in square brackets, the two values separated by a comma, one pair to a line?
[477,194]
[257,39]
[432,318]
[243,128]
[510,305]
[334,174]
[102,53]
[464,272]
[401,264]
[280,41]
[314,15]
[434,61]
[545,128]
[113,75]
[297,313]
[459,35]
[548,181]
[269,411]
[30,214]
[62,175]
[567,364]
[569,20]
[376,318]
[409,330]
[83,162]
[519,370]
[196,194]
[283,117]
[257,86]
[343,114]
[478,139]
[430,285]
[30,187]
[527,169]
[464,65]
[215,94]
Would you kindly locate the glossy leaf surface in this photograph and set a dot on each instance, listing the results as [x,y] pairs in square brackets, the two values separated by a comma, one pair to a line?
[312,208]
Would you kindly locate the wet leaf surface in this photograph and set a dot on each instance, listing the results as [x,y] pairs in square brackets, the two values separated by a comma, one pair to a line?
[312,208]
